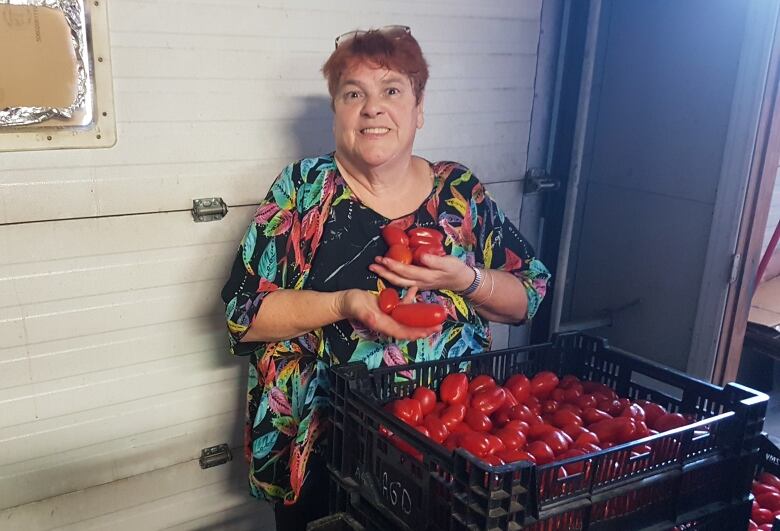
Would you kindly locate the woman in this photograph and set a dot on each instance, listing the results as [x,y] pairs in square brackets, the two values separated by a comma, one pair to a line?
[302,292]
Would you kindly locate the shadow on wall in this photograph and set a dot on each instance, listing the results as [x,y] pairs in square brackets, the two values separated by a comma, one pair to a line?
[311,131]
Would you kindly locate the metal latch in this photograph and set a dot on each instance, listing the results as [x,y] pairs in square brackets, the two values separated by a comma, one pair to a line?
[208,209]
[538,180]
[215,456]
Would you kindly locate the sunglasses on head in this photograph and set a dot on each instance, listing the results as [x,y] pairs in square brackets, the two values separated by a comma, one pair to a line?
[390,31]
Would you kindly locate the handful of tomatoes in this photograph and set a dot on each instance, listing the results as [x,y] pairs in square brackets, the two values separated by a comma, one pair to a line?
[541,419]
[408,247]
[766,506]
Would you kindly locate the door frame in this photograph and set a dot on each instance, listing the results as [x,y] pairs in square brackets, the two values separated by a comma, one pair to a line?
[763,172]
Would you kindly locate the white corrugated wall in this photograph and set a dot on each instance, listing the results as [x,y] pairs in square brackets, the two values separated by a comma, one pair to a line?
[113,364]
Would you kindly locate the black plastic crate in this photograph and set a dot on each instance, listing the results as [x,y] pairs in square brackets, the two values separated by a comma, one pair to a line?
[449,490]
[335,522]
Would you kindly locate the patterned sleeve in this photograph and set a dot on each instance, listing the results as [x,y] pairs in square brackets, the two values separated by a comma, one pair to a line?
[261,264]
[501,246]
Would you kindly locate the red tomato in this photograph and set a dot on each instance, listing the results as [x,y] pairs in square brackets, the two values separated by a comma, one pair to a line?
[388,300]
[549,407]
[613,407]
[477,420]
[533,404]
[769,479]
[766,527]
[572,394]
[522,412]
[537,431]
[409,410]
[592,416]
[512,456]
[496,444]
[520,387]
[488,400]
[509,399]
[577,410]
[617,430]
[483,381]
[558,441]
[586,401]
[573,468]
[394,236]
[652,411]
[426,398]
[453,415]
[573,430]
[641,430]
[512,439]
[400,253]
[634,411]
[669,421]
[761,488]
[557,394]
[517,425]
[760,515]
[419,314]
[454,388]
[565,417]
[569,380]
[475,443]
[543,383]
[425,232]
[501,417]
[421,241]
[586,437]
[436,250]
[769,500]
[461,427]
[542,453]
[493,460]
[452,441]
[438,431]
[587,447]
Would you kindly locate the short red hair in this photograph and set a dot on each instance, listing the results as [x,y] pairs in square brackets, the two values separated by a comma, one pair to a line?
[398,52]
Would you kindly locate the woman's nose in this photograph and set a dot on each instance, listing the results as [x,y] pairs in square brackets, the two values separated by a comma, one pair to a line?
[372,107]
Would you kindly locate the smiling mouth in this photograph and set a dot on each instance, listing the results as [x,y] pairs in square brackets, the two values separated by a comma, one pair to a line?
[374,131]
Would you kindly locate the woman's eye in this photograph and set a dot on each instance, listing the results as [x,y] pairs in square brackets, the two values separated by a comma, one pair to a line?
[352,94]
[393,91]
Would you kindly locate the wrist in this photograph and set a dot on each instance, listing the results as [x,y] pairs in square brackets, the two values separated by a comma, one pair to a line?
[340,305]
[474,275]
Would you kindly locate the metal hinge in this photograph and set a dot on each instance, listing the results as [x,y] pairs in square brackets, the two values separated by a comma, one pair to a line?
[215,456]
[208,209]
[538,180]
[736,262]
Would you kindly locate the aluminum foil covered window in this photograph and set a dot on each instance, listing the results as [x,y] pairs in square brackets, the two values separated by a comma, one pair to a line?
[48,81]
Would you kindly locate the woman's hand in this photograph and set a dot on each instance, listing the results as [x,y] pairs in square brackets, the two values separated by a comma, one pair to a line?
[440,272]
[363,306]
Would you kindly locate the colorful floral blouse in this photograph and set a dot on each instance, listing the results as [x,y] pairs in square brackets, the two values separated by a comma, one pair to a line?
[312,232]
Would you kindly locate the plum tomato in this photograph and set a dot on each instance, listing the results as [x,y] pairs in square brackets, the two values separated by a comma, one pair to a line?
[394,235]
[400,253]
[454,388]
[388,300]
[419,314]
[520,387]
[543,383]
[426,398]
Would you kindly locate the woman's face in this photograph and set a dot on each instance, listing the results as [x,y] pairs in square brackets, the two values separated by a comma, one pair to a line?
[376,116]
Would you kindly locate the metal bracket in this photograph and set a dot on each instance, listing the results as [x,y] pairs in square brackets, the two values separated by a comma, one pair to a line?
[538,180]
[215,456]
[208,209]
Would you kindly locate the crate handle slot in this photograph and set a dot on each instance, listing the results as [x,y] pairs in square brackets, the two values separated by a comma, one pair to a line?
[637,457]
[700,436]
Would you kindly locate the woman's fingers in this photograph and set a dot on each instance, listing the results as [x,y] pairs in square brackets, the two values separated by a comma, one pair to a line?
[410,295]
